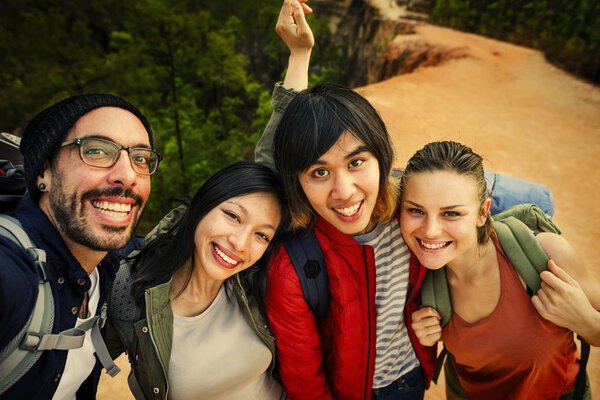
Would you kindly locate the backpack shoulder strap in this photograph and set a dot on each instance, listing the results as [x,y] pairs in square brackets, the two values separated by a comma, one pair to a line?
[307,258]
[122,308]
[36,335]
[530,260]
[531,215]
[523,250]
[435,294]
[17,358]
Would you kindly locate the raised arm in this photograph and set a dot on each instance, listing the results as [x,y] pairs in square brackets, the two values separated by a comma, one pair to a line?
[293,29]
[569,296]
[297,35]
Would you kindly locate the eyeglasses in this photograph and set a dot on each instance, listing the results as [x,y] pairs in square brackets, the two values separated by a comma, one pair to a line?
[104,154]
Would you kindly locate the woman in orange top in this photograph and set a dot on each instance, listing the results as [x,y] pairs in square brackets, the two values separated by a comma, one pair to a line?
[505,344]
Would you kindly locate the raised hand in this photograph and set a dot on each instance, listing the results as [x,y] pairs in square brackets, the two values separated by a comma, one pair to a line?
[298,37]
[293,28]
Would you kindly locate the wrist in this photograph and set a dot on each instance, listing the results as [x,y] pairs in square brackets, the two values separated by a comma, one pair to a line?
[301,54]
[591,332]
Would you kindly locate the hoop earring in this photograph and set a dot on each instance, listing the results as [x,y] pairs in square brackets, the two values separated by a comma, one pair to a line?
[42,187]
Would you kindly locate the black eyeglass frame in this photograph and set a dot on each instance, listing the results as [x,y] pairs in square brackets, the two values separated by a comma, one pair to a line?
[80,141]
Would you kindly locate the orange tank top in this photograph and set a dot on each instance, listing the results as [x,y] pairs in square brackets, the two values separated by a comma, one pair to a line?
[513,353]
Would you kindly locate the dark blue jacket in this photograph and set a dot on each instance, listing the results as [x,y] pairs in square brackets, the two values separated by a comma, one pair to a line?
[18,292]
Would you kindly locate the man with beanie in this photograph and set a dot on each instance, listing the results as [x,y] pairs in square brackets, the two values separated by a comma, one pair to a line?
[88,161]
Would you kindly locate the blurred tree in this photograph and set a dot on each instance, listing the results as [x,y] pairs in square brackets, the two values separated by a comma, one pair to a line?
[202,71]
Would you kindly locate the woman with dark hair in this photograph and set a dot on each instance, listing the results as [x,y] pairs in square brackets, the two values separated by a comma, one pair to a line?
[188,307]
[505,345]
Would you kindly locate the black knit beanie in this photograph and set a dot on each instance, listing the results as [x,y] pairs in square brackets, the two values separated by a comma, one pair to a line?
[47,130]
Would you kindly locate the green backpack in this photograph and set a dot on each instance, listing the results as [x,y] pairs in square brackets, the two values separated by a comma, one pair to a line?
[516,228]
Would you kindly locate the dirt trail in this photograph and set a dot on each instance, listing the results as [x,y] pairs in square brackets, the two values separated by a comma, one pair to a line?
[524,116]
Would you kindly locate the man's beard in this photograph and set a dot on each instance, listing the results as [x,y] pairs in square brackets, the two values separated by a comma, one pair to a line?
[69,211]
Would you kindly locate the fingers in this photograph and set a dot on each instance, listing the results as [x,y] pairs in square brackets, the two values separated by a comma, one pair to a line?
[561,273]
[293,28]
[426,325]
[298,14]
[305,7]
[425,312]
[285,16]
[558,279]
[546,295]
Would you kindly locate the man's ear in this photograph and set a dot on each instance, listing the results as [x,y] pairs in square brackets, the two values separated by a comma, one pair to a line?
[484,212]
[44,179]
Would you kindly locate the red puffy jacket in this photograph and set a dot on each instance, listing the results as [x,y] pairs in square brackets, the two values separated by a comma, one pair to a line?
[334,357]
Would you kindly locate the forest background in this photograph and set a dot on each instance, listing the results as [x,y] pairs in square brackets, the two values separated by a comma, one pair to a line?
[202,71]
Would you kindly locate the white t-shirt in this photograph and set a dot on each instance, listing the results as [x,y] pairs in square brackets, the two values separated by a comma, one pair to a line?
[81,361]
[217,355]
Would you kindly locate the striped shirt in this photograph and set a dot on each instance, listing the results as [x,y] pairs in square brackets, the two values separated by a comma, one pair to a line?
[394,355]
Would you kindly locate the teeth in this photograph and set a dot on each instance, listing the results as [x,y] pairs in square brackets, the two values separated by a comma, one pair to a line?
[111,213]
[348,211]
[224,256]
[433,246]
[110,208]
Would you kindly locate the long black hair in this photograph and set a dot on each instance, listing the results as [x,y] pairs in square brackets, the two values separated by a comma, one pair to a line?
[163,256]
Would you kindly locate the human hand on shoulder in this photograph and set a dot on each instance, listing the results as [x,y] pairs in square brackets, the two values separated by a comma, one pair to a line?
[562,301]
[427,327]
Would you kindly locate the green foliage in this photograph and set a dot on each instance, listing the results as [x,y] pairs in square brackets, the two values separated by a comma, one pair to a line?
[567,31]
[202,71]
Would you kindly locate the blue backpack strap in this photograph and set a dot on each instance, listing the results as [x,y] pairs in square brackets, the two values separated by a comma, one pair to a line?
[307,258]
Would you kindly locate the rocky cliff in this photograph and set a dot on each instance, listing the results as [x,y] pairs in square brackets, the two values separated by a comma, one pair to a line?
[378,39]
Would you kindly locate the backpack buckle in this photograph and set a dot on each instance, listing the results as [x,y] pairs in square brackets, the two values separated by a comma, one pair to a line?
[31,341]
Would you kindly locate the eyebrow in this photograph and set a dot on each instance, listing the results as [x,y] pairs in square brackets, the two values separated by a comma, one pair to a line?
[443,208]
[353,153]
[245,210]
[96,136]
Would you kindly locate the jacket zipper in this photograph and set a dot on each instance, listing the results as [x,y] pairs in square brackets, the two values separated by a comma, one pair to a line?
[367,392]
[151,333]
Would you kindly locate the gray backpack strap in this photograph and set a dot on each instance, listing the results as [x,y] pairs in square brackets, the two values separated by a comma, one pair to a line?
[20,355]
[27,346]
[123,310]
[124,313]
